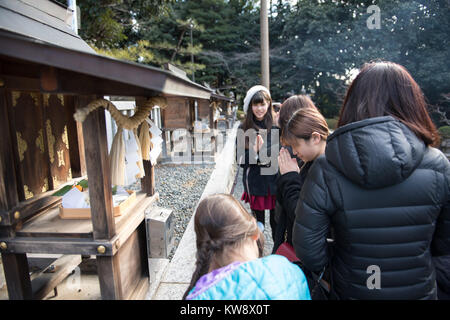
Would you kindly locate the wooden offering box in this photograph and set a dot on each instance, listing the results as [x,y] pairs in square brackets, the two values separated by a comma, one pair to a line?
[85,213]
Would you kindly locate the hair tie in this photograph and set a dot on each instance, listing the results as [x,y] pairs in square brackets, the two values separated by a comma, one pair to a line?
[292,117]
[213,245]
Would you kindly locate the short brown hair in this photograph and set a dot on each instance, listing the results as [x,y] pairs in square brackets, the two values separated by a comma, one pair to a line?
[291,105]
[384,88]
[303,123]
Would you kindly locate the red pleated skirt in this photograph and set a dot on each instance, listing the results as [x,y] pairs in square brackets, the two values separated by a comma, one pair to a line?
[260,202]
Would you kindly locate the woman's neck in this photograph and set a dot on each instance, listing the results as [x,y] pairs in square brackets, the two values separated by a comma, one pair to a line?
[320,150]
[322,146]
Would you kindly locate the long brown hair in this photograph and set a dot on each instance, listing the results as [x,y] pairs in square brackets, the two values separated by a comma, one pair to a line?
[259,97]
[384,88]
[292,104]
[302,124]
[221,223]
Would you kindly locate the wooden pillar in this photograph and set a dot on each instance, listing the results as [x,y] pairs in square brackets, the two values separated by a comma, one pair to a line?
[171,142]
[15,265]
[8,184]
[99,175]
[211,126]
[108,269]
[100,194]
[17,276]
[164,143]
[164,133]
[148,181]
[76,142]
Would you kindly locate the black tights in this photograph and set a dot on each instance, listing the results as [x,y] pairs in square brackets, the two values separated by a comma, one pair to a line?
[260,216]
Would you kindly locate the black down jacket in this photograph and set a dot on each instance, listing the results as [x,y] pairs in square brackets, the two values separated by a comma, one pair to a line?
[386,195]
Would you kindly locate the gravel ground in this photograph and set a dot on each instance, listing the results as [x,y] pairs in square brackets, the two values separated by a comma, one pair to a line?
[180,188]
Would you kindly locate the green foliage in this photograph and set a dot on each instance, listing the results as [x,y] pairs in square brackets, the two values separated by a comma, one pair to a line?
[332,123]
[136,53]
[315,46]
[107,24]
[445,132]
[319,42]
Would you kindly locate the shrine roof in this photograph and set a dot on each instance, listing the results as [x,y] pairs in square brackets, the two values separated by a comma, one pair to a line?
[35,33]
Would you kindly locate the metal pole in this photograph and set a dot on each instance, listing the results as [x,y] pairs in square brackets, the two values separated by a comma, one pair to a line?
[264,25]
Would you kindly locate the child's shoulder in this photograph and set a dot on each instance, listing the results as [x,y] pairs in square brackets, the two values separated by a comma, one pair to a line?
[277,276]
[270,277]
[275,265]
[275,261]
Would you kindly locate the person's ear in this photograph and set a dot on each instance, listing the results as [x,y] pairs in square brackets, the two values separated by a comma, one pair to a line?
[316,137]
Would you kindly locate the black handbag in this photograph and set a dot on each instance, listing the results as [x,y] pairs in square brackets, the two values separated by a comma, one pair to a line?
[318,287]
[321,288]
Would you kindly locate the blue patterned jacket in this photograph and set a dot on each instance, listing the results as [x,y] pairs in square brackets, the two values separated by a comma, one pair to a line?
[269,278]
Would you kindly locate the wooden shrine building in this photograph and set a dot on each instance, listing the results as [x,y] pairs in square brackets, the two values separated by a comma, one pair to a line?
[194,117]
[47,72]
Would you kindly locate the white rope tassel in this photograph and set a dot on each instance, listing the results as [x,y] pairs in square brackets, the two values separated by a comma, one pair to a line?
[117,159]
[144,140]
[140,164]
[117,154]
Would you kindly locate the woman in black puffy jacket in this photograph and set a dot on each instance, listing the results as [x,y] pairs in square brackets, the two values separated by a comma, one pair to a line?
[384,189]
[290,179]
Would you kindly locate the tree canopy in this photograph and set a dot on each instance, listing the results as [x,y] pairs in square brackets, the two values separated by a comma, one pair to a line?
[315,45]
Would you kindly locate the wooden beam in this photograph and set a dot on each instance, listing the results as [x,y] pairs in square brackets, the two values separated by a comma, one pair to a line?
[49,225]
[49,79]
[19,245]
[18,83]
[8,184]
[46,282]
[81,84]
[131,75]
[17,276]
[99,175]
[109,277]
[26,209]
[15,265]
